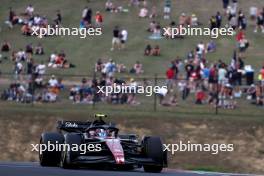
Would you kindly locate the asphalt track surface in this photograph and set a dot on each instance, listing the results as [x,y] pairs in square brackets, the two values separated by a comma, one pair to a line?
[33,169]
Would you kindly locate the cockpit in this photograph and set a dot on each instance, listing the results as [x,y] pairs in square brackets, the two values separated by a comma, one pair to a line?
[102,132]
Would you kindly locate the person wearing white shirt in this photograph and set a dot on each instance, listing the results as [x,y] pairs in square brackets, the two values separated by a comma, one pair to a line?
[37,20]
[52,60]
[41,69]
[253,11]
[201,49]
[222,75]
[20,55]
[19,68]
[84,12]
[53,82]
[124,36]
[143,13]
[29,10]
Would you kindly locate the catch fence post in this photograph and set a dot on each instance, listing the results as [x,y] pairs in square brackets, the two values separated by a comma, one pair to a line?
[94,97]
[217,97]
[155,94]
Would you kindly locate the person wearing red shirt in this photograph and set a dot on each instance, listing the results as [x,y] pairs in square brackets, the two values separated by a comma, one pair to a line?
[200,96]
[240,36]
[98,18]
[170,75]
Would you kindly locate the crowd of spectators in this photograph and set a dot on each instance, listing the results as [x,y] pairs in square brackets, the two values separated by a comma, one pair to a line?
[219,83]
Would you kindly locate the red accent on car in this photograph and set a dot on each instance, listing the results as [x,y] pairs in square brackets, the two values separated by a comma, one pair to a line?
[116,149]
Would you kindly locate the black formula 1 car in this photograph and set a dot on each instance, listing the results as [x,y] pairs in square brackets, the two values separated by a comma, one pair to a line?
[98,144]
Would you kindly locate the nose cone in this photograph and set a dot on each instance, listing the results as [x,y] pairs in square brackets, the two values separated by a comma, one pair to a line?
[117,150]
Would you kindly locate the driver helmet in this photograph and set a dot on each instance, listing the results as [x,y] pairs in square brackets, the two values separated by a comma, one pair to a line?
[101,133]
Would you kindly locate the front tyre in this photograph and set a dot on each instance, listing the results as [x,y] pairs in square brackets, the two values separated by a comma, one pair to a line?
[68,156]
[154,150]
[50,158]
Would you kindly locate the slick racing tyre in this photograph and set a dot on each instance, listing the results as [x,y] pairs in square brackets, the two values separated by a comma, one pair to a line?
[50,158]
[68,156]
[154,150]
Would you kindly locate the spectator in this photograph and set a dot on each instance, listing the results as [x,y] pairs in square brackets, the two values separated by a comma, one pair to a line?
[123,38]
[30,67]
[121,68]
[20,55]
[200,97]
[41,69]
[99,65]
[242,42]
[6,47]
[138,68]
[182,19]
[194,20]
[170,74]
[152,26]
[29,48]
[18,70]
[259,95]
[200,50]
[211,46]
[260,22]
[143,13]
[154,12]
[213,23]
[39,50]
[110,68]
[109,5]
[87,15]
[233,22]
[218,18]
[261,76]
[53,82]
[58,18]
[13,19]
[98,19]
[29,10]
[222,74]
[253,12]
[148,50]
[116,39]
[235,4]
[241,20]
[156,51]
[213,77]
[225,4]
[167,9]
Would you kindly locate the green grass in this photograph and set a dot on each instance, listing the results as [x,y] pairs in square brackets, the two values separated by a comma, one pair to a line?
[186,110]
[84,52]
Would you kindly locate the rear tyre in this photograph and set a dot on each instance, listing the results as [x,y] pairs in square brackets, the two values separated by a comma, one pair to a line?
[50,158]
[154,150]
[68,156]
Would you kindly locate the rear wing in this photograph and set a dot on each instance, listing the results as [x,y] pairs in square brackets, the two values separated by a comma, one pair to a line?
[72,126]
